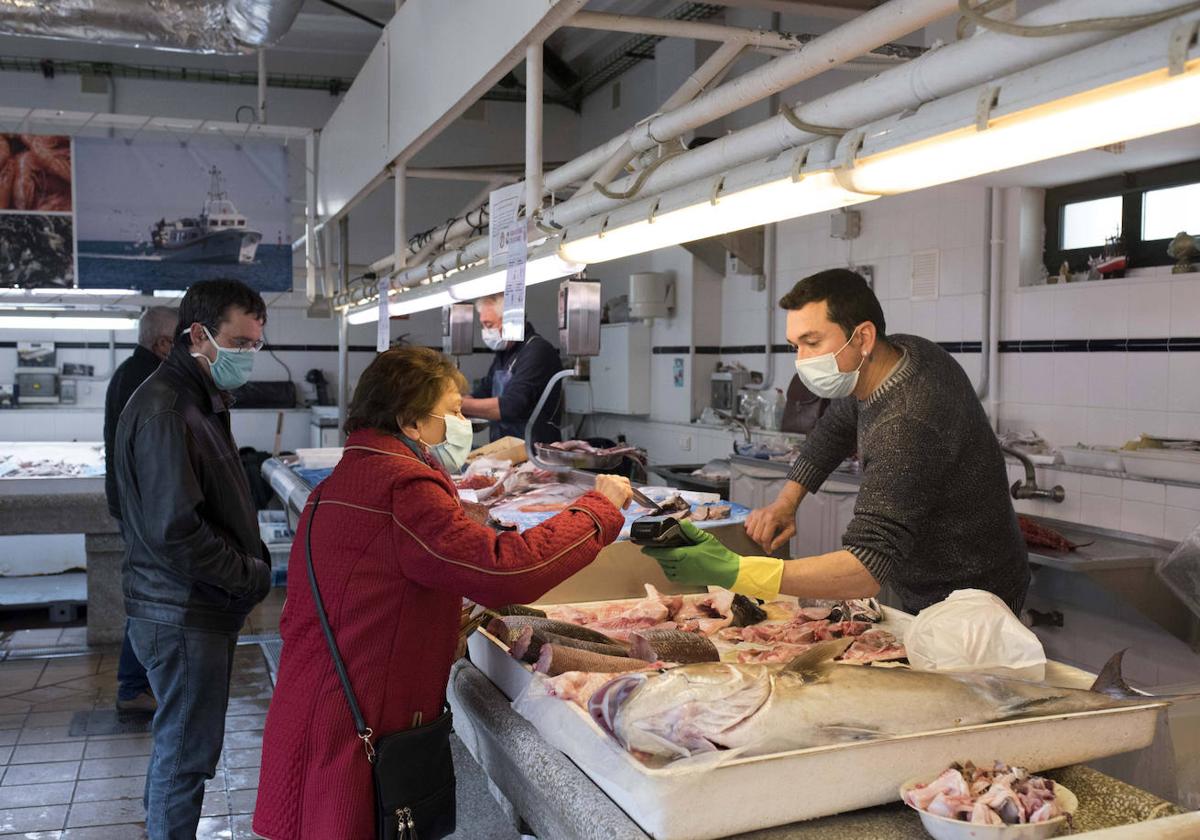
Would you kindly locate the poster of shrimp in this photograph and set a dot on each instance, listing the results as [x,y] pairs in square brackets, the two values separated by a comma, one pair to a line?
[37,247]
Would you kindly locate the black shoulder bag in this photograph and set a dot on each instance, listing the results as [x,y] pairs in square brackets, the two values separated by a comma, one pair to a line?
[412,769]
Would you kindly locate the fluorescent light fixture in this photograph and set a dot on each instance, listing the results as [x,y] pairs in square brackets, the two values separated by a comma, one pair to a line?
[745,197]
[1117,91]
[40,319]
[72,292]
[444,289]
[538,270]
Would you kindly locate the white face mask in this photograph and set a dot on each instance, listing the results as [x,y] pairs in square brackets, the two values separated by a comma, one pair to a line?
[821,375]
[491,337]
[453,451]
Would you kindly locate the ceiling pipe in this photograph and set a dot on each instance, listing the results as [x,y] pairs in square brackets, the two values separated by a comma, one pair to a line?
[939,73]
[225,27]
[843,44]
[693,85]
[696,30]
[534,77]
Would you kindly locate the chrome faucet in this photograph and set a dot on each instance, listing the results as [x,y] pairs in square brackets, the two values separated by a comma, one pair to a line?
[1028,489]
[735,421]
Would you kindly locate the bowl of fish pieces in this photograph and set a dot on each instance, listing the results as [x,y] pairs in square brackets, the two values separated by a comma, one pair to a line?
[967,802]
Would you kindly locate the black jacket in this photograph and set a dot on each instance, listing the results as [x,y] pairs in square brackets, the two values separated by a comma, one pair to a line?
[532,362]
[194,557]
[125,380]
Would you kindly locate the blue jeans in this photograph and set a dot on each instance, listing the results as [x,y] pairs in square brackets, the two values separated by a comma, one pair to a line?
[131,674]
[189,672]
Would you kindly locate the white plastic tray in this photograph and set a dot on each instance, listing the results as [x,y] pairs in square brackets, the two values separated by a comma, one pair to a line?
[747,794]
[1165,464]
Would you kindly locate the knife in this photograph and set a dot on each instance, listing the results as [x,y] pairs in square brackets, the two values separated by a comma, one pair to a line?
[588,480]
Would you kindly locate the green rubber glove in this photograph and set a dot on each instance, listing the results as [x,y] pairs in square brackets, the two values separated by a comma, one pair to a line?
[704,563]
[709,563]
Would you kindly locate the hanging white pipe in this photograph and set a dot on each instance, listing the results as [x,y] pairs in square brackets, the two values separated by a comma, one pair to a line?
[936,74]
[310,216]
[400,216]
[985,361]
[940,72]
[695,30]
[533,129]
[995,290]
[722,59]
[849,41]
[443,174]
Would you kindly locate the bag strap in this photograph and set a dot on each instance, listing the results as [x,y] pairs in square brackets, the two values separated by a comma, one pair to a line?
[360,724]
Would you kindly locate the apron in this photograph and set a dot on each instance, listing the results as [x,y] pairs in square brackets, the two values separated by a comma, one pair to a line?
[502,377]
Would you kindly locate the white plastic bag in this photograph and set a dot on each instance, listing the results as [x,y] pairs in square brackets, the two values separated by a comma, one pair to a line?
[1181,571]
[973,630]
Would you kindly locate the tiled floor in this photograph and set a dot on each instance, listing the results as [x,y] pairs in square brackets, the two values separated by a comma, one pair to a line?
[90,788]
[56,787]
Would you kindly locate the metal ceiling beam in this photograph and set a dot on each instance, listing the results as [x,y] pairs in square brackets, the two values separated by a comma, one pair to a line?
[841,10]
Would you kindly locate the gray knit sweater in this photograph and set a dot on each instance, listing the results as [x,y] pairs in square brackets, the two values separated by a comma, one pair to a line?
[933,514]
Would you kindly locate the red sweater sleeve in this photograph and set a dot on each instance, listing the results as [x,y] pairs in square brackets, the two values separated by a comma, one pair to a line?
[443,549]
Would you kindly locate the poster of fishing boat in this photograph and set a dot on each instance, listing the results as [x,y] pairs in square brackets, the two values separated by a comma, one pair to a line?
[155,215]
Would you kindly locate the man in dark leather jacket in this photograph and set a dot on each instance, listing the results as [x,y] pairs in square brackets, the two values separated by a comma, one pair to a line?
[194,564]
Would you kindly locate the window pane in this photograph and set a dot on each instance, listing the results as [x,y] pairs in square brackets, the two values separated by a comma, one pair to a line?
[1166,212]
[1086,224]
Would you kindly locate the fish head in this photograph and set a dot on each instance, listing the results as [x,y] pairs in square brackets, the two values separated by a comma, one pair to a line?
[683,711]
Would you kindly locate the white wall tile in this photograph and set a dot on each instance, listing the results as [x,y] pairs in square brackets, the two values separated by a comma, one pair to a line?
[1142,518]
[1147,381]
[1185,306]
[1145,423]
[1178,523]
[1064,424]
[1037,315]
[1037,378]
[1183,497]
[1100,485]
[949,318]
[1184,383]
[1149,310]
[1106,308]
[1071,318]
[1100,511]
[1107,380]
[953,268]
[899,316]
[1105,427]
[1070,378]
[1184,424]
[1144,491]
[924,319]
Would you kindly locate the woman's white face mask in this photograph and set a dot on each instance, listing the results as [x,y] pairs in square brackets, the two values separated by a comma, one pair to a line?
[456,445]
[824,378]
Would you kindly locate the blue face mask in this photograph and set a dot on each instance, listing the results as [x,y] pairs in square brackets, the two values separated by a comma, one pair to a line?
[232,368]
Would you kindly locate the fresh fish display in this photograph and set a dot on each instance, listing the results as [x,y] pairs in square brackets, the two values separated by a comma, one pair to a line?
[519,609]
[579,686]
[705,614]
[1001,796]
[560,628]
[812,701]
[746,612]
[526,643]
[672,646]
[558,659]
[875,646]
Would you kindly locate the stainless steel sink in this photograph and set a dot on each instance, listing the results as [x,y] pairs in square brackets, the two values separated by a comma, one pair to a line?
[680,475]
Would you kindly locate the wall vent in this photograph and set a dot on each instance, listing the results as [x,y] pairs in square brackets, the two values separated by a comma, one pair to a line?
[925,275]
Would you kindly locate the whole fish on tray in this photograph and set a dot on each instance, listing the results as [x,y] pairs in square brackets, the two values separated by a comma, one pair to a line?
[811,701]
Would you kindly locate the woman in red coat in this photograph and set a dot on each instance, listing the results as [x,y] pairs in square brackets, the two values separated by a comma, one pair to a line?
[394,555]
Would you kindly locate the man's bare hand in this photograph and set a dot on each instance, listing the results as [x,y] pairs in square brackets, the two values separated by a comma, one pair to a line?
[771,526]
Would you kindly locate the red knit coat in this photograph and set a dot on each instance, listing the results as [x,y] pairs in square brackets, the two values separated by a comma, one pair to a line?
[394,555]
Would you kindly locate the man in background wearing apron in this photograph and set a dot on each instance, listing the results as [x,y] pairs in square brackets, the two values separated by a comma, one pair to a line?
[520,370]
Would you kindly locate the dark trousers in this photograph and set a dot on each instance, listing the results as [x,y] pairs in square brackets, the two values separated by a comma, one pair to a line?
[189,673]
[131,675]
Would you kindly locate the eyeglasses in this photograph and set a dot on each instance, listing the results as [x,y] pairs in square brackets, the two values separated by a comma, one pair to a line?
[237,345]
